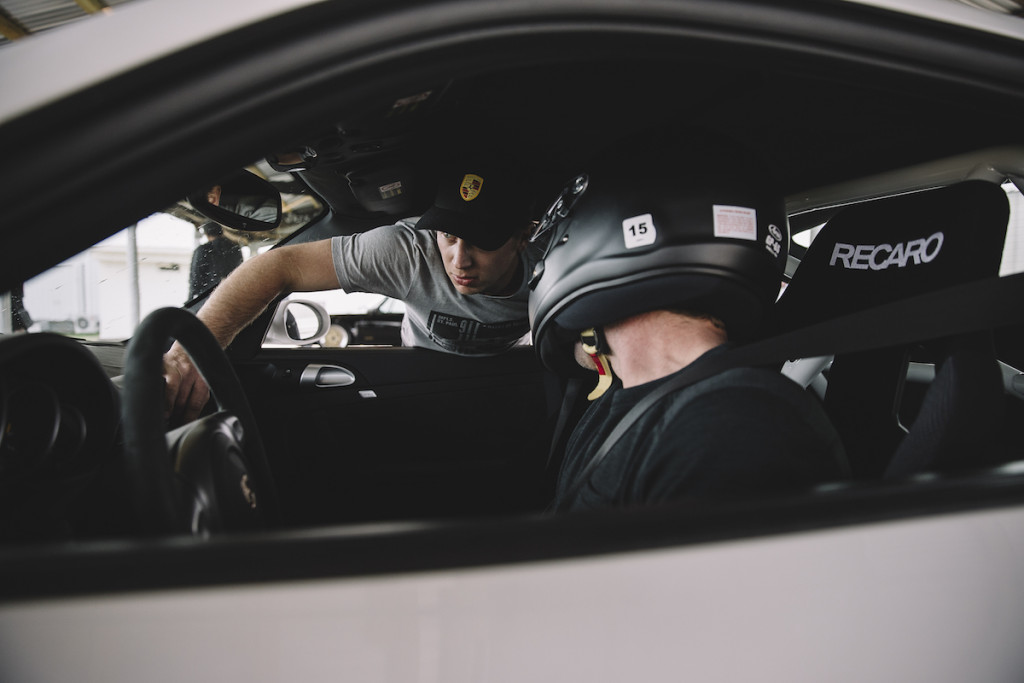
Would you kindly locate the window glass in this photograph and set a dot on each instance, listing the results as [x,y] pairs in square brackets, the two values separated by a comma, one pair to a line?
[358,318]
[165,259]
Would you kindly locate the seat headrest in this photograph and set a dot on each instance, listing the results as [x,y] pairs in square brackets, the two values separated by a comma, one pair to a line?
[895,248]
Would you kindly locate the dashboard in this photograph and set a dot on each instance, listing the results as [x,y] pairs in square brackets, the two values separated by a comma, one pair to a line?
[60,472]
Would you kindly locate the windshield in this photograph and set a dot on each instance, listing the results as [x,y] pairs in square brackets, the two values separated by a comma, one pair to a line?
[166,259]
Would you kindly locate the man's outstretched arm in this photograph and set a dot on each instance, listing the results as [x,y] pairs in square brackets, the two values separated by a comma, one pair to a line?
[239,300]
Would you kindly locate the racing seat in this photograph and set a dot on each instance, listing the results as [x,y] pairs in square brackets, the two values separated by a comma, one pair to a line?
[885,251]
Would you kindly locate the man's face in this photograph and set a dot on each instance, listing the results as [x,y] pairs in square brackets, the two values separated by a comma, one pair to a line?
[477,271]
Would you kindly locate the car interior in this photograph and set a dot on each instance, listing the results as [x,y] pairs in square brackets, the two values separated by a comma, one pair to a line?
[865,395]
[417,435]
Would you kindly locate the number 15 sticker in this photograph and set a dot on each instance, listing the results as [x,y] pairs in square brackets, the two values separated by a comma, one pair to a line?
[639,231]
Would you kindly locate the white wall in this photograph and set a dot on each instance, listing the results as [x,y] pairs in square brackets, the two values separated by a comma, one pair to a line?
[95,287]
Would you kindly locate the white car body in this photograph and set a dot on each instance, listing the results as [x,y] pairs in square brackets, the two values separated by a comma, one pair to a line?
[928,597]
[932,599]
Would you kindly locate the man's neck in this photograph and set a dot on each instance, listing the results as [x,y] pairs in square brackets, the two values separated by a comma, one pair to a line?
[657,344]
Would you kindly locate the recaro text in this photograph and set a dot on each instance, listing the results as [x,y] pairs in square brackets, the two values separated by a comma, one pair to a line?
[882,256]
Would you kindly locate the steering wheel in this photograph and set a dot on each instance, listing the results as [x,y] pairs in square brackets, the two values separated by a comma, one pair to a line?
[210,475]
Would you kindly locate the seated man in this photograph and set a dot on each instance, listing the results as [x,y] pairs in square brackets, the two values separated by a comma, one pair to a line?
[650,278]
[461,270]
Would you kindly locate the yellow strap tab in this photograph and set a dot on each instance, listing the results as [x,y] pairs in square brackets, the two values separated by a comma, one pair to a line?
[604,376]
[604,369]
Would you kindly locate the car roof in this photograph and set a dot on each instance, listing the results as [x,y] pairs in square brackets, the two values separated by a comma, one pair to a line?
[136,34]
[139,33]
[166,95]
[981,15]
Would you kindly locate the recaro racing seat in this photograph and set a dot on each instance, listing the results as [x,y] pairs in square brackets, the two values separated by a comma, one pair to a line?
[887,250]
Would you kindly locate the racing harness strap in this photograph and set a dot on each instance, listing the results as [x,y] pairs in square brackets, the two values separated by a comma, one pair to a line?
[980,305]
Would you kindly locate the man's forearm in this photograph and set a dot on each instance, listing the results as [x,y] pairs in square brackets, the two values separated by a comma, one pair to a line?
[236,302]
[243,295]
[240,298]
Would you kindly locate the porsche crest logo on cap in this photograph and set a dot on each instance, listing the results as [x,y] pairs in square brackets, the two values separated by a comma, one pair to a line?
[471,184]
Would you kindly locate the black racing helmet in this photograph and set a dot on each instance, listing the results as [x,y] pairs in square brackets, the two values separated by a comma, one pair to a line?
[714,243]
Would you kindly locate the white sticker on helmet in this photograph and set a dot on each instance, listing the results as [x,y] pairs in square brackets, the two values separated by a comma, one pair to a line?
[639,231]
[735,222]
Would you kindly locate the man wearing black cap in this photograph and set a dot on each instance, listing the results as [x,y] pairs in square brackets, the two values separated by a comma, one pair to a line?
[461,269]
[472,241]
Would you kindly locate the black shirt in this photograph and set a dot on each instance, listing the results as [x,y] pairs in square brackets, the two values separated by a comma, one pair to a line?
[745,431]
[212,262]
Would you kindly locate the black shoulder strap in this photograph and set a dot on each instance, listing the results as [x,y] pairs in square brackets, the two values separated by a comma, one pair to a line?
[573,389]
[980,305]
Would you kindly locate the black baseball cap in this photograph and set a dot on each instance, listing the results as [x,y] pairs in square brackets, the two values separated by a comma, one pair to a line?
[482,202]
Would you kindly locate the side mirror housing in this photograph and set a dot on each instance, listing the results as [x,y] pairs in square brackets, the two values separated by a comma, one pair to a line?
[297,322]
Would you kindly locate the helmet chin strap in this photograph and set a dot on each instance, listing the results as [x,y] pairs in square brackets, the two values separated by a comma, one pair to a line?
[595,346]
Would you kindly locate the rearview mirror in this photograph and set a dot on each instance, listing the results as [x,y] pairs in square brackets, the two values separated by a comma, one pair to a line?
[242,201]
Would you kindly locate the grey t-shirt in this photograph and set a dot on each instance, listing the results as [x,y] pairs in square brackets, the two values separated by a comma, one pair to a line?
[404,263]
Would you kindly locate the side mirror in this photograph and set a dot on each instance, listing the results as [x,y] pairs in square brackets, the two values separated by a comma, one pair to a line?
[297,322]
[242,201]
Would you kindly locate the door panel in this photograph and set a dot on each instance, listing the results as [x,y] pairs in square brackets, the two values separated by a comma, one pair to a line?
[417,434]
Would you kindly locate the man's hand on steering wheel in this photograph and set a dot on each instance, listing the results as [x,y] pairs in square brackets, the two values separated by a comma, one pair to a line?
[185,391]
[210,475]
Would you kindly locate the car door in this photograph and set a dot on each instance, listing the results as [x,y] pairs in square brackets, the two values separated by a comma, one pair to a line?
[376,433]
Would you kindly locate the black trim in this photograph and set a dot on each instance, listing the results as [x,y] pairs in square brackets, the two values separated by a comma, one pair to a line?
[176,563]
